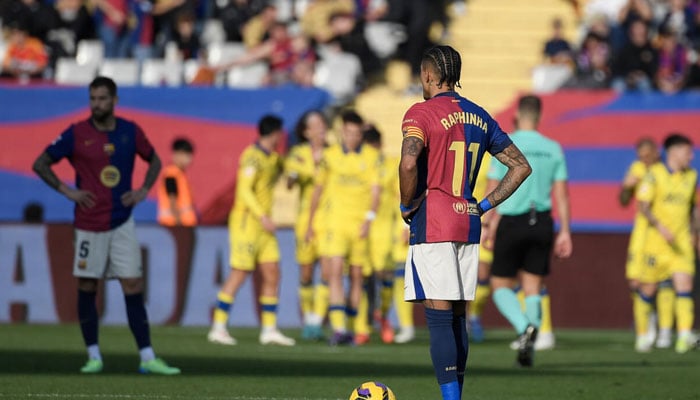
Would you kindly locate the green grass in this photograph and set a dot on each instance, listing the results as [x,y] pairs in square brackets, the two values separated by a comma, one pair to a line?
[39,361]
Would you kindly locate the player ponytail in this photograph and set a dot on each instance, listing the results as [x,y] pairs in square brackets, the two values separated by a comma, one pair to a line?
[447,62]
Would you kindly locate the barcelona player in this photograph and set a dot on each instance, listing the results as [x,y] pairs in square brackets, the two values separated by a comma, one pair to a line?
[102,150]
[444,141]
[381,234]
[647,156]
[252,236]
[668,199]
[349,178]
[301,167]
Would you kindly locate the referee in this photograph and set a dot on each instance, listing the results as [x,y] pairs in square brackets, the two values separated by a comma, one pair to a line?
[522,231]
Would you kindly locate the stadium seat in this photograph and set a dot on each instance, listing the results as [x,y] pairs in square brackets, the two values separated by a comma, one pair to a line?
[71,72]
[172,52]
[338,73]
[384,38]
[189,69]
[123,71]
[548,78]
[90,52]
[213,32]
[248,77]
[157,72]
[218,53]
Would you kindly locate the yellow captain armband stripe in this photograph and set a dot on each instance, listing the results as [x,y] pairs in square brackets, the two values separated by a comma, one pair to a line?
[414,132]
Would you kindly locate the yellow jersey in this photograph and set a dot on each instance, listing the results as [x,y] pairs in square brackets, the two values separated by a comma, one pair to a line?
[672,196]
[258,171]
[482,178]
[390,197]
[347,179]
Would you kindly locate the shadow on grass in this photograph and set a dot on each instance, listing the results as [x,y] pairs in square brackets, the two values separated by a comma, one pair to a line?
[68,363]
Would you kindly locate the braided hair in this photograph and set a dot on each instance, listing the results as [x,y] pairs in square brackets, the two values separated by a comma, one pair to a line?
[447,63]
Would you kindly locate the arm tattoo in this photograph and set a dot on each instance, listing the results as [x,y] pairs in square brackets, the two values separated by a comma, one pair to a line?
[42,167]
[153,171]
[518,170]
[411,146]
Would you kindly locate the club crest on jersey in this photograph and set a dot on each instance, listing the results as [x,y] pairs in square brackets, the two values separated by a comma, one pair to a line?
[108,148]
[110,176]
[82,264]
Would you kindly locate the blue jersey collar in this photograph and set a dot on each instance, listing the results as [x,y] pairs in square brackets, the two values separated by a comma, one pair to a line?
[267,153]
[346,150]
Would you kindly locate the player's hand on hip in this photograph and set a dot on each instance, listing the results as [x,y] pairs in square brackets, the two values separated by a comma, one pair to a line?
[83,198]
[267,224]
[487,237]
[563,246]
[133,197]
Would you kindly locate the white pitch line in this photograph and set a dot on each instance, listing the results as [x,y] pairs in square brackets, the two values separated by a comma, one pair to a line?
[143,396]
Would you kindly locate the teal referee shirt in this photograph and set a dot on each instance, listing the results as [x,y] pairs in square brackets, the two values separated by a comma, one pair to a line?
[548,165]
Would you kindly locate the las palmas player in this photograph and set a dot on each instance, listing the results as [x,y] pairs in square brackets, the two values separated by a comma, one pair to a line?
[349,178]
[668,199]
[647,156]
[102,150]
[444,141]
[252,235]
[301,167]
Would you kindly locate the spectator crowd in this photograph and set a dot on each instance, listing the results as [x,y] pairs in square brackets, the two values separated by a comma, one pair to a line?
[632,45]
[289,36]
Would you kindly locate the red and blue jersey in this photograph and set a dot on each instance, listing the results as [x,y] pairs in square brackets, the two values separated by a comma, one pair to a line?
[456,134]
[104,165]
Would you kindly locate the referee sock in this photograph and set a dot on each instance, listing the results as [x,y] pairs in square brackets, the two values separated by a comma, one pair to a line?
[138,319]
[507,303]
[533,310]
[459,328]
[87,314]
[443,351]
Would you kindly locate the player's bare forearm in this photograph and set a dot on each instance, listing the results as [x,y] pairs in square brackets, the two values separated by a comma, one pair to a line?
[625,196]
[560,190]
[411,148]
[518,170]
[42,167]
[645,209]
[154,166]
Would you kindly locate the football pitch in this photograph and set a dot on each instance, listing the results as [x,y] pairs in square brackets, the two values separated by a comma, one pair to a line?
[41,362]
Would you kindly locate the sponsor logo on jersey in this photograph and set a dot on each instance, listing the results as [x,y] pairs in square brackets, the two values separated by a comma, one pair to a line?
[108,148]
[110,176]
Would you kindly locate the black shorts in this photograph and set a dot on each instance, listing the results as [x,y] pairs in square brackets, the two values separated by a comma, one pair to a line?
[523,242]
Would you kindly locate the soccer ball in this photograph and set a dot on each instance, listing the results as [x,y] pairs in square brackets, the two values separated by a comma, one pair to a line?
[372,391]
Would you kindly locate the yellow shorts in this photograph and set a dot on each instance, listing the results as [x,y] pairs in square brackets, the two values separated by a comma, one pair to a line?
[343,240]
[381,246]
[252,245]
[485,255]
[662,260]
[636,258]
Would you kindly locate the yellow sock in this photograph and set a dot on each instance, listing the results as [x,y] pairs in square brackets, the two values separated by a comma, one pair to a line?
[642,310]
[223,306]
[685,310]
[360,324]
[336,315]
[321,294]
[521,296]
[268,314]
[306,299]
[545,307]
[476,307]
[404,309]
[665,302]
[387,293]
